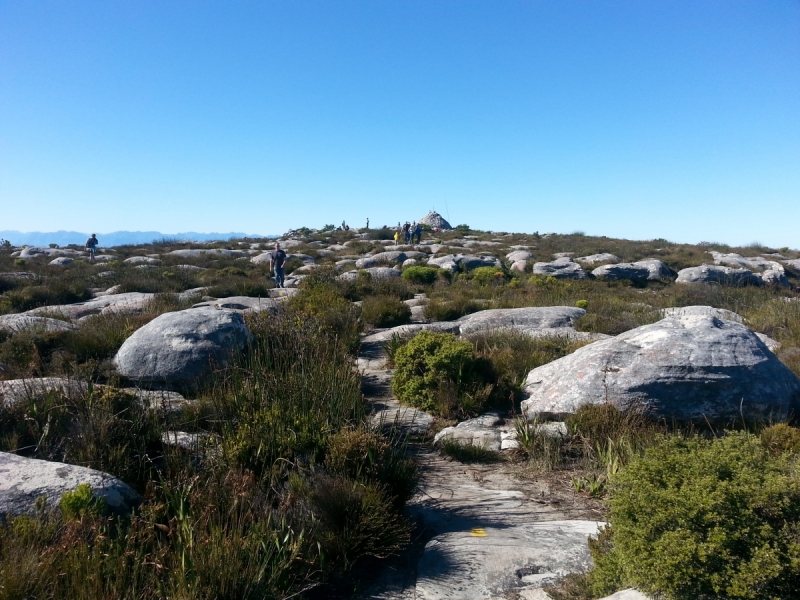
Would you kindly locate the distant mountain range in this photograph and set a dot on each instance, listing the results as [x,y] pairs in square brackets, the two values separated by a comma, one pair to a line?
[115,238]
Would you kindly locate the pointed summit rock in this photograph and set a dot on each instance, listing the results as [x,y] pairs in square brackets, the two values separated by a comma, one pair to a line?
[434,220]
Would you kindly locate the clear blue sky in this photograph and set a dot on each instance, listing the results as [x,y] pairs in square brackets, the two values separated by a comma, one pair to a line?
[675,119]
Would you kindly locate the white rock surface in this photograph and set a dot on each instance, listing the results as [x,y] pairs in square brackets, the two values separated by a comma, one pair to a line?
[23,480]
[692,367]
[716,274]
[21,322]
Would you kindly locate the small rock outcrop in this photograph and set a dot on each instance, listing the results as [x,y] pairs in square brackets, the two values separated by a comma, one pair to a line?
[688,368]
[435,221]
[561,268]
[381,258]
[463,262]
[181,349]
[629,271]
[23,480]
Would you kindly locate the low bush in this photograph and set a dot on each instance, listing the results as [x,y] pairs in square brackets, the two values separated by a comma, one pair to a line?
[420,275]
[450,309]
[438,373]
[385,311]
[53,292]
[489,275]
[698,518]
[368,456]
[781,439]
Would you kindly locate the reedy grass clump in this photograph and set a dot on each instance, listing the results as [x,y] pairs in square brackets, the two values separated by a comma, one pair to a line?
[385,311]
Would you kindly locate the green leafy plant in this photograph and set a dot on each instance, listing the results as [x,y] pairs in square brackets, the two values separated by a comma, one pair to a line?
[80,502]
[698,518]
[385,311]
[432,364]
[420,275]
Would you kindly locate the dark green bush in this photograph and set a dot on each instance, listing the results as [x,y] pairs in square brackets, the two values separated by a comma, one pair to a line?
[53,292]
[438,309]
[436,372]
[420,275]
[81,502]
[697,518]
[385,311]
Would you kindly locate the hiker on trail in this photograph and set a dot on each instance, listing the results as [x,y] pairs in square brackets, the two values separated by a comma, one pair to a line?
[418,233]
[406,232]
[397,237]
[367,227]
[277,258]
[91,246]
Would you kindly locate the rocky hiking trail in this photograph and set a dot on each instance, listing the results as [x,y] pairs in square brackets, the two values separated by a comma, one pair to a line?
[480,531]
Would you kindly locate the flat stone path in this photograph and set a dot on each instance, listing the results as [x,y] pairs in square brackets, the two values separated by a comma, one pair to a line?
[482,532]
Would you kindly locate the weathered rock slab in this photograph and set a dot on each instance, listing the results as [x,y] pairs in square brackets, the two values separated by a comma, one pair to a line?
[520,319]
[23,480]
[21,322]
[483,562]
[560,268]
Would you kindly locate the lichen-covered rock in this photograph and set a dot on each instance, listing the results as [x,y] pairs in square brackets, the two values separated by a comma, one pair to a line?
[629,271]
[687,368]
[561,268]
[24,480]
[17,323]
[716,274]
[521,319]
[181,349]
[435,221]
[376,272]
[381,258]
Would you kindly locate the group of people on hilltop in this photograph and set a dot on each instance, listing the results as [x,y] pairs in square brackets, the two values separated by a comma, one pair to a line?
[409,232]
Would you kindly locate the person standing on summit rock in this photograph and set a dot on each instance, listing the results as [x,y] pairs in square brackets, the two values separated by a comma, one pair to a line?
[277,258]
[91,246]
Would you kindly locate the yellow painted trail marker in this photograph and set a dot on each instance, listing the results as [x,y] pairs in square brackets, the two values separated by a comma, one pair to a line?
[478,532]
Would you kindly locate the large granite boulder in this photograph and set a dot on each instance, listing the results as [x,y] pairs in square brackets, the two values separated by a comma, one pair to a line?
[17,323]
[745,262]
[526,319]
[24,480]
[720,275]
[463,262]
[516,255]
[658,270]
[593,259]
[775,277]
[687,368]
[61,261]
[376,272]
[561,268]
[142,260]
[180,350]
[702,311]
[629,271]
[381,258]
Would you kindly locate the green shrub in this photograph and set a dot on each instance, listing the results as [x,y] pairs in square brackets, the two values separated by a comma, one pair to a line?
[488,275]
[80,502]
[420,275]
[781,439]
[439,309]
[53,292]
[370,457]
[582,303]
[697,518]
[434,370]
[385,311]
